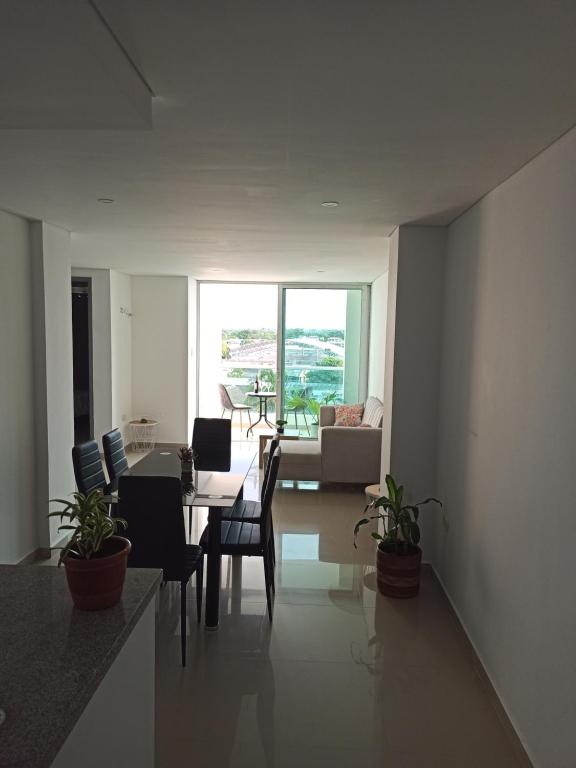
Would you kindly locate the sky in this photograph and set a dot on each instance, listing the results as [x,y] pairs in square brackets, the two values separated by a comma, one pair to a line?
[256,306]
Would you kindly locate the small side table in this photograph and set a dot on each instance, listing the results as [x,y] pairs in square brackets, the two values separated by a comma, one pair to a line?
[288,434]
[143,435]
[262,398]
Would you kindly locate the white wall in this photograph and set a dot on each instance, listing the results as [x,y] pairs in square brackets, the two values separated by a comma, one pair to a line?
[101,348]
[508,444]
[121,350]
[51,259]
[377,348]
[192,353]
[160,354]
[17,400]
[415,303]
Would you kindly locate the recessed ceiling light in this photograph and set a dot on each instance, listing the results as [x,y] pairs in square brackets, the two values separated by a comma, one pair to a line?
[106,200]
[320,270]
[330,204]
[215,269]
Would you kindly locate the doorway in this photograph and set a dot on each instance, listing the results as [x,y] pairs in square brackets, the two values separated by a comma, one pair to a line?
[237,325]
[82,359]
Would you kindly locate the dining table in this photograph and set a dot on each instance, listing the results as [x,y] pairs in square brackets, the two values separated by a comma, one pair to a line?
[218,489]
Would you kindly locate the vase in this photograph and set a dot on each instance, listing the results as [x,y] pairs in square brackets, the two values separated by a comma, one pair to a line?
[398,575]
[97,583]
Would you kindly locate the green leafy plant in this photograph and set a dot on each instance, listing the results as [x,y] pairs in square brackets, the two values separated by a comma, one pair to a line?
[331,361]
[281,422]
[402,532]
[268,377]
[90,523]
[313,405]
[295,400]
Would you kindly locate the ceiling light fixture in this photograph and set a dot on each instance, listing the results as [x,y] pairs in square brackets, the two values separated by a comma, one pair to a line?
[330,204]
[106,200]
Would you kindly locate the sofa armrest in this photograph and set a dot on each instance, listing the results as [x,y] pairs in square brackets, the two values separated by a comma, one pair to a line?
[327,415]
[351,454]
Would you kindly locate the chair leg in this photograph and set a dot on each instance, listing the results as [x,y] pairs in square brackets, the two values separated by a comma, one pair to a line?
[199,588]
[241,425]
[271,565]
[305,422]
[189,522]
[222,414]
[268,580]
[183,620]
[272,543]
[296,419]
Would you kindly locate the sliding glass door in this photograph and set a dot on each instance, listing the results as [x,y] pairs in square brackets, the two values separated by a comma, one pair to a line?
[306,343]
[322,351]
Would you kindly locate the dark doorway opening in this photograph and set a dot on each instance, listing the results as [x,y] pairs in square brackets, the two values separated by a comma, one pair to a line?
[82,359]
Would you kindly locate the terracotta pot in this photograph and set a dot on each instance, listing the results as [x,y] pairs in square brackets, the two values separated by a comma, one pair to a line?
[97,583]
[399,575]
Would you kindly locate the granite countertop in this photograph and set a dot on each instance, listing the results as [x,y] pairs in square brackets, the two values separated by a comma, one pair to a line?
[53,657]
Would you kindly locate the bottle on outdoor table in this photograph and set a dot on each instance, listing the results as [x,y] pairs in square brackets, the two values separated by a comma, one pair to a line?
[256,385]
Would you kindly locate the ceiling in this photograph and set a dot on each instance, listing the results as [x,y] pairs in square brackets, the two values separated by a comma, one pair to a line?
[401,111]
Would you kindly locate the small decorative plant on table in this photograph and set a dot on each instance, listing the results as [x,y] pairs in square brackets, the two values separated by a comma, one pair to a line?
[95,557]
[398,555]
[187,456]
[280,424]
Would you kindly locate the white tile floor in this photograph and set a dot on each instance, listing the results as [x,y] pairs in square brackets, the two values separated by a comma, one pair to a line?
[342,677]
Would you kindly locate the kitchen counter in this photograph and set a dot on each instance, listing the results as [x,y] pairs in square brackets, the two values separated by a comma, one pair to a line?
[53,657]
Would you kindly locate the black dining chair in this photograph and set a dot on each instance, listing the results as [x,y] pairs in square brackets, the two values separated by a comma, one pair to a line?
[152,507]
[114,455]
[248,510]
[212,444]
[88,469]
[253,539]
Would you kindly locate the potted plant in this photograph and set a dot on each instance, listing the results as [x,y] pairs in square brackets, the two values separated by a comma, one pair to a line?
[280,424]
[398,556]
[95,557]
[187,456]
[314,405]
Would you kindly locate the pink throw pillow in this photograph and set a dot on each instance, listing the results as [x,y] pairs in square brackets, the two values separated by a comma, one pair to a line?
[348,415]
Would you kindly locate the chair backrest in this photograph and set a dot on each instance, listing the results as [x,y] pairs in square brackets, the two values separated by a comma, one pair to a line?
[273,446]
[152,507]
[266,505]
[212,444]
[225,399]
[88,469]
[114,455]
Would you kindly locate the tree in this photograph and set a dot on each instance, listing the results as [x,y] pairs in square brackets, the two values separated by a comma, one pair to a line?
[331,361]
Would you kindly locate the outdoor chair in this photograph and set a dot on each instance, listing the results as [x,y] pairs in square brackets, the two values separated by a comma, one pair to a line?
[228,405]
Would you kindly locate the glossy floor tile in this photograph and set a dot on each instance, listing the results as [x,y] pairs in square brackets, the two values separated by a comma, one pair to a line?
[342,677]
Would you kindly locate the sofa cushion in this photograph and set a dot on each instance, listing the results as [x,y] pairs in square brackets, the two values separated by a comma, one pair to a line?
[373,413]
[300,460]
[349,415]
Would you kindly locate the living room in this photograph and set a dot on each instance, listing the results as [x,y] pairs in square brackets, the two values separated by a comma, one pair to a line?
[456,190]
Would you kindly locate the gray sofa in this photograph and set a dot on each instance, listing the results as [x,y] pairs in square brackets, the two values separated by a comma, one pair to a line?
[341,454]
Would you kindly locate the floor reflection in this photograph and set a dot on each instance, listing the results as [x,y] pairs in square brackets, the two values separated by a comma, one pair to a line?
[342,677]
